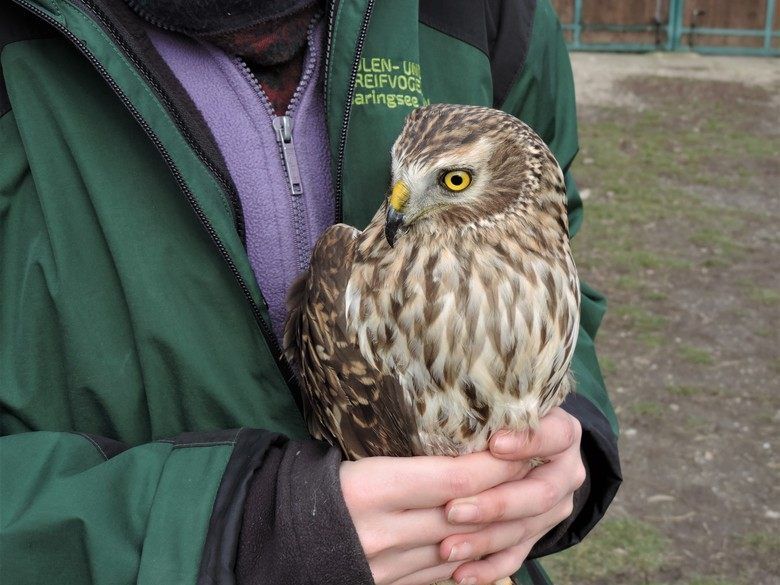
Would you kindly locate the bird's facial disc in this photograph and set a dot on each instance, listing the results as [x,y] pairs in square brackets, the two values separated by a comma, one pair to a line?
[423,188]
[439,189]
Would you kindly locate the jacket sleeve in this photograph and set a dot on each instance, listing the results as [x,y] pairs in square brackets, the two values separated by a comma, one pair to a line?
[296,527]
[543,97]
[83,509]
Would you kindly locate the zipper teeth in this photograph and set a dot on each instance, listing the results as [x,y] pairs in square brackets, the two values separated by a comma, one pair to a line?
[298,213]
[299,89]
[309,68]
[348,109]
[282,363]
[328,42]
[255,83]
[301,232]
[301,241]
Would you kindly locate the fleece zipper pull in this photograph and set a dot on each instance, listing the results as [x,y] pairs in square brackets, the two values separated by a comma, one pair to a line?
[283,126]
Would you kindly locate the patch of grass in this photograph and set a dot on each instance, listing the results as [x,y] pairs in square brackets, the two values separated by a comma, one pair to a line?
[695,355]
[684,391]
[628,282]
[700,580]
[624,550]
[762,546]
[647,325]
[642,167]
[641,319]
[716,262]
[629,259]
[647,409]
[721,243]
[761,543]
[694,422]
[652,340]
[608,365]
[711,581]
[655,295]
[632,259]
[766,296]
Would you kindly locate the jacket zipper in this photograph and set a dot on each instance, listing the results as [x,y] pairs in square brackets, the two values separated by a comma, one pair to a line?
[333,6]
[283,126]
[283,129]
[228,187]
[338,179]
[284,366]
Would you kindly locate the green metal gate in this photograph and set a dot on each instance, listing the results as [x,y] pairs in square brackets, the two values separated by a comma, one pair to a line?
[671,33]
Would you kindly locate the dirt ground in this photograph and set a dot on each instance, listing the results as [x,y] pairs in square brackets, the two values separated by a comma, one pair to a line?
[680,168]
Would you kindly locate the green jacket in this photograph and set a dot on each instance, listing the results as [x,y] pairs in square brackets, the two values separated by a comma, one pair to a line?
[132,332]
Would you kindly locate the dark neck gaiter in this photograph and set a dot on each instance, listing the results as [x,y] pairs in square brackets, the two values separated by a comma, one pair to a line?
[269,35]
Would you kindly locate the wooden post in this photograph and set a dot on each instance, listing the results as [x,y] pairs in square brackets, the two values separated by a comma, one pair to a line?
[770,19]
[676,11]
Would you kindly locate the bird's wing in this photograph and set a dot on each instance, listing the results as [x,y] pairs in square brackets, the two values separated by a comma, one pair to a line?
[347,401]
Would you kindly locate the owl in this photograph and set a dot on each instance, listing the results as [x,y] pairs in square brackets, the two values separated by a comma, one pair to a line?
[455,312]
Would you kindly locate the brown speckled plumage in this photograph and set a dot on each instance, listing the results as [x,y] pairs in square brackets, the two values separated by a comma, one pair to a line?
[467,324]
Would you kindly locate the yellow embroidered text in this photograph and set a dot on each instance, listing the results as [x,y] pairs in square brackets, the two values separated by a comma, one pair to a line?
[390,83]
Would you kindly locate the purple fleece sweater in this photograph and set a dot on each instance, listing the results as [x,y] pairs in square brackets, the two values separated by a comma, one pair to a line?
[281,227]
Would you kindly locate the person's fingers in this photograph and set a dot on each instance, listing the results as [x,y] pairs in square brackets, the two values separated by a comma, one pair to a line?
[510,501]
[406,530]
[490,569]
[502,535]
[541,490]
[393,565]
[401,483]
[557,432]
[426,526]
[567,470]
[428,576]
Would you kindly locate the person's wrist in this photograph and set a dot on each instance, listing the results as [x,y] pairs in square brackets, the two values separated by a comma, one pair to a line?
[296,525]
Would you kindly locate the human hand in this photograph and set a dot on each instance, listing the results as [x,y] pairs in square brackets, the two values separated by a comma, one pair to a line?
[397,507]
[511,517]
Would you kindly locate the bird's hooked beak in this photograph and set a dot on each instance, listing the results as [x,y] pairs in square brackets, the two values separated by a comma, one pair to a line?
[395,211]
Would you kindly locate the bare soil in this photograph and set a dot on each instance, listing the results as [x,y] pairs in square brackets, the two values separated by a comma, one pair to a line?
[680,168]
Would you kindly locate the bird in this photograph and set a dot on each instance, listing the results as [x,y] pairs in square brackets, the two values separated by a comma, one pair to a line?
[454,314]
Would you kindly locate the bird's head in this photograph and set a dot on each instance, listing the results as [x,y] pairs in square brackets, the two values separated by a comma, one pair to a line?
[457,165]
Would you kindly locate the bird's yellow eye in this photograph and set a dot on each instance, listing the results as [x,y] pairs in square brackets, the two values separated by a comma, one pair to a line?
[456,180]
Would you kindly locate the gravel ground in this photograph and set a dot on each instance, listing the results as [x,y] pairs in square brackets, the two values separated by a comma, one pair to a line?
[595,74]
